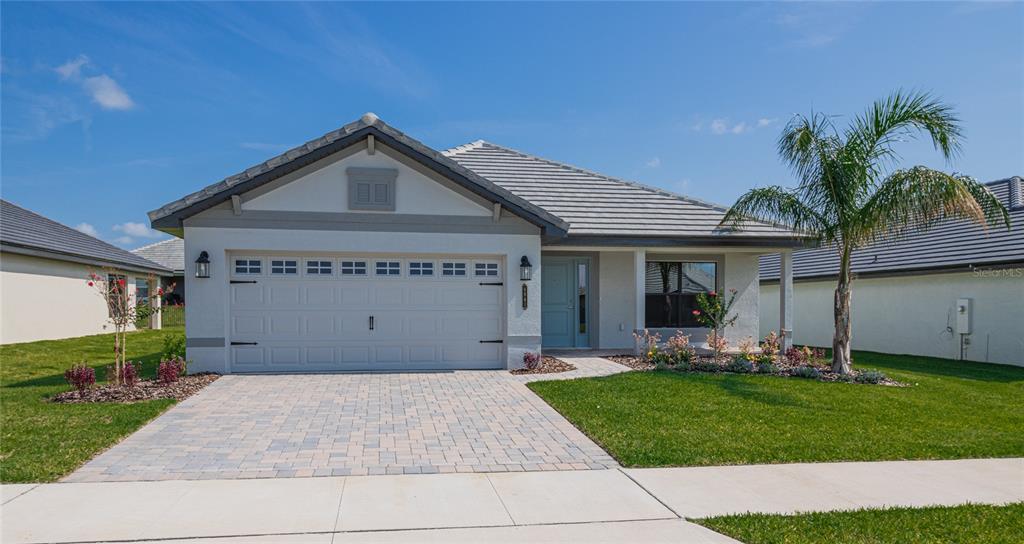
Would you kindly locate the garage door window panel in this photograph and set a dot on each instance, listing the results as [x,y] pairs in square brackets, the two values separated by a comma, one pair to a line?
[248,267]
[421,268]
[388,268]
[353,268]
[319,267]
[486,270]
[453,269]
[284,266]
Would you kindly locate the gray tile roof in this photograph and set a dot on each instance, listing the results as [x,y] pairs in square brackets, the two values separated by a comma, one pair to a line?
[599,205]
[953,244]
[168,253]
[169,215]
[22,230]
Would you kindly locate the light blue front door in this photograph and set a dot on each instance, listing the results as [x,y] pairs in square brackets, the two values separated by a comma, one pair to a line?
[565,302]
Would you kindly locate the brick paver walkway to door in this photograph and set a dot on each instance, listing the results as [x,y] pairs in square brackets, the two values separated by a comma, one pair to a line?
[270,426]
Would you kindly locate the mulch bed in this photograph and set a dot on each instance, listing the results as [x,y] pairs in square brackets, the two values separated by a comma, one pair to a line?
[185,387]
[784,368]
[548,365]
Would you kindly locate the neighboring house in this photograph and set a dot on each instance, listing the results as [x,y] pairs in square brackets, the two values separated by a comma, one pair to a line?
[44,267]
[907,296]
[367,250]
[169,254]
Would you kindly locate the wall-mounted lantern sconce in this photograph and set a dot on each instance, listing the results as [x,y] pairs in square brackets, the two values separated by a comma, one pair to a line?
[203,265]
[525,274]
[525,269]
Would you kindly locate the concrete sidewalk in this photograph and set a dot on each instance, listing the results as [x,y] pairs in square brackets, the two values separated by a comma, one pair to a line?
[573,506]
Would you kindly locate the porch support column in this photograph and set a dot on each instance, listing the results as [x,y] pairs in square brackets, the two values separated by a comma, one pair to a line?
[786,299]
[155,320]
[640,280]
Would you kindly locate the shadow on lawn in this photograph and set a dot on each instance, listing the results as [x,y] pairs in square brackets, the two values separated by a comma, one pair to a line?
[149,362]
[989,372]
[756,392]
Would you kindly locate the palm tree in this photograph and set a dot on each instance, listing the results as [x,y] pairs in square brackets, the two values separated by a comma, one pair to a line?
[850,193]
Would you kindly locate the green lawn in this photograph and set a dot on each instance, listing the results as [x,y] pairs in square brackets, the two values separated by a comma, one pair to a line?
[41,441]
[953,410]
[976,524]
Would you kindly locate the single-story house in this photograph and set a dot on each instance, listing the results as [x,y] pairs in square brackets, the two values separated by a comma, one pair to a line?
[170,254]
[955,291]
[44,267]
[365,249]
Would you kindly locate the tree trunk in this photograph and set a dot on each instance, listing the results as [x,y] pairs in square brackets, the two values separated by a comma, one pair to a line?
[841,363]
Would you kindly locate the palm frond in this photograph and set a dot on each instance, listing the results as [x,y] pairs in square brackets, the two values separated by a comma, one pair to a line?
[915,199]
[775,205]
[811,148]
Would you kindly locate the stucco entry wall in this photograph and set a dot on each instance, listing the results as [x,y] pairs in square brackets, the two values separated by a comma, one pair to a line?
[207,310]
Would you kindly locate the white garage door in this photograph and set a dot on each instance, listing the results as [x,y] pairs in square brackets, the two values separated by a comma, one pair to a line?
[315,313]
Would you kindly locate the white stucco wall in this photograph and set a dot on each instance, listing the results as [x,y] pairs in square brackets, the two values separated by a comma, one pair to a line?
[617,299]
[326,190]
[741,274]
[207,308]
[47,299]
[910,314]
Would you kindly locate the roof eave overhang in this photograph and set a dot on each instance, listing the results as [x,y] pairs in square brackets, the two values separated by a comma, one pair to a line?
[922,271]
[550,225]
[81,259]
[732,241]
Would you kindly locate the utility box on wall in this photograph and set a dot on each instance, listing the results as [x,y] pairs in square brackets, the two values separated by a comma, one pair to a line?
[963,316]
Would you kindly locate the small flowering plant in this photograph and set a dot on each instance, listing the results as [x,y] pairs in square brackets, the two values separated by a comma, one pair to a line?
[679,348]
[123,311]
[647,345]
[713,313]
[531,360]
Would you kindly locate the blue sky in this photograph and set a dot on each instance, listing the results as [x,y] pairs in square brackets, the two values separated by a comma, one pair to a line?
[111,110]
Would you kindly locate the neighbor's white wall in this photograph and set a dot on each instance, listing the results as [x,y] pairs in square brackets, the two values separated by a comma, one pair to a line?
[326,190]
[206,313]
[909,314]
[46,299]
[617,300]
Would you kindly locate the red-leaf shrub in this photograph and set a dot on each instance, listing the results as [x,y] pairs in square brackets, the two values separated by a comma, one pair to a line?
[795,355]
[80,376]
[130,374]
[169,370]
[531,360]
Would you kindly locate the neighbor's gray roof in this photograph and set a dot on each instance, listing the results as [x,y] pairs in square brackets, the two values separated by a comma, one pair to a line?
[169,253]
[950,245]
[22,231]
[599,205]
[170,215]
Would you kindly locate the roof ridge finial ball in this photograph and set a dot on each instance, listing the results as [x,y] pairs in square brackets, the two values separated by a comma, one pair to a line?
[370,118]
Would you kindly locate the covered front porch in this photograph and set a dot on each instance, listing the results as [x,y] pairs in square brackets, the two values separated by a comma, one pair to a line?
[595,298]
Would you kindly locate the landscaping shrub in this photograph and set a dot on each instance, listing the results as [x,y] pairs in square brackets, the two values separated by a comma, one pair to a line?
[679,348]
[129,373]
[808,372]
[704,365]
[661,365]
[80,376]
[168,371]
[531,360]
[766,367]
[740,365]
[870,376]
[795,355]
[174,347]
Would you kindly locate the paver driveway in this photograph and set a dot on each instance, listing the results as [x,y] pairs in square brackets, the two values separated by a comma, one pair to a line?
[352,424]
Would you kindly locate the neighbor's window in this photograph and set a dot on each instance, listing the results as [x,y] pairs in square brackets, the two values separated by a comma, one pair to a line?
[389,268]
[284,267]
[141,290]
[671,292]
[453,269]
[321,268]
[248,266]
[421,269]
[353,268]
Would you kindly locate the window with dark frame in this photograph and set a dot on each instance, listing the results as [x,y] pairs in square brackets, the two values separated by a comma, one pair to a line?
[353,268]
[417,268]
[319,268]
[288,266]
[671,290]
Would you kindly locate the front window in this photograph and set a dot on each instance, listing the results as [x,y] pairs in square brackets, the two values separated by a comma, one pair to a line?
[671,292]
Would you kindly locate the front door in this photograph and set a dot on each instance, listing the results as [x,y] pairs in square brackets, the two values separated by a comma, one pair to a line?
[565,302]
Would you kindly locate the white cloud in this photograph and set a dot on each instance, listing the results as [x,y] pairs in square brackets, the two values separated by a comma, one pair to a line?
[137,230]
[719,126]
[86,228]
[764,121]
[107,93]
[654,163]
[123,240]
[72,69]
[722,126]
[739,128]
